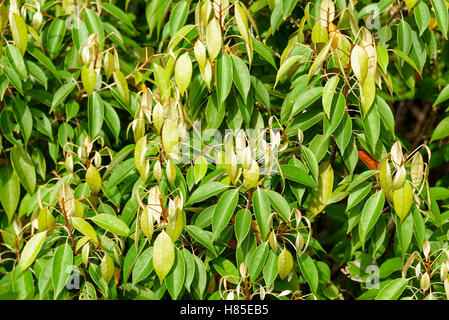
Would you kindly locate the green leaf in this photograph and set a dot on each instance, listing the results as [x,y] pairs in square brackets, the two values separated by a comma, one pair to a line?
[304,100]
[112,120]
[13,78]
[62,268]
[118,13]
[79,33]
[404,37]
[242,79]
[328,93]
[61,94]
[206,191]
[24,167]
[270,268]
[37,73]
[16,60]
[94,25]
[404,233]
[441,131]
[55,36]
[441,15]
[224,211]
[178,16]
[372,127]
[385,113]
[318,62]
[9,190]
[175,278]
[279,203]
[338,106]
[43,59]
[143,266]
[95,115]
[31,250]
[23,117]
[203,237]
[111,223]
[422,16]
[407,59]
[442,96]
[265,52]
[226,269]
[261,92]
[393,290]
[358,193]
[242,224]
[200,279]
[107,268]
[190,268]
[224,76]
[286,65]
[309,271]
[257,261]
[276,16]
[183,72]
[262,211]
[419,227]
[298,175]
[370,214]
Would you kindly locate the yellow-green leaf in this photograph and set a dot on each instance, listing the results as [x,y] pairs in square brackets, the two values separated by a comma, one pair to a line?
[45,219]
[183,72]
[417,169]
[163,255]
[9,190]
[359,63]
[368,93]
[170,137]
[93,179]
[122,85]
[31,250]
[386,179]
[85,228]
[175,225]
[88,78]
[325,186]
[200,54]
[213,38]
[107,268]
[285,263]
[147,223]
[328,93]
[319,33]
[403,200]
[142,165]
[200,168]
[19,31]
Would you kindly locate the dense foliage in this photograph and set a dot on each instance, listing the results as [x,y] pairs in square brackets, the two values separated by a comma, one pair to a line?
[212,149]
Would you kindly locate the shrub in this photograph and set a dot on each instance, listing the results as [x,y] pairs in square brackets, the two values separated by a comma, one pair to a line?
[224,149]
